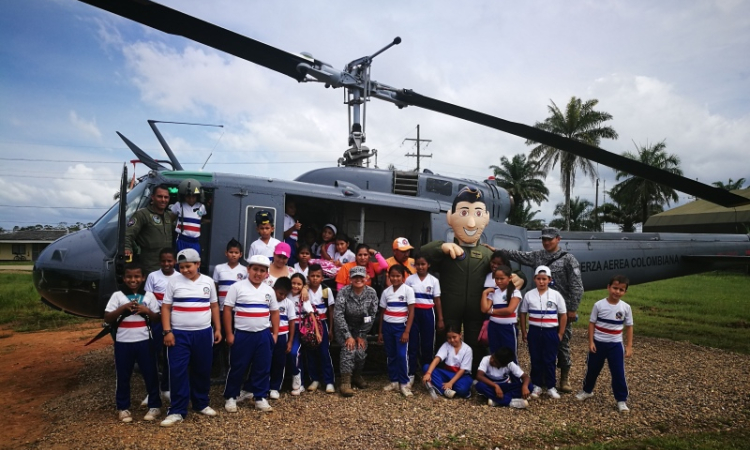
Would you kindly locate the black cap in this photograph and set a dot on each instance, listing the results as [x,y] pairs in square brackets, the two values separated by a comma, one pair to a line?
[263,216]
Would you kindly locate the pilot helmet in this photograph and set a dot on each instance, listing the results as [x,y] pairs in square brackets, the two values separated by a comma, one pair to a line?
[190,186]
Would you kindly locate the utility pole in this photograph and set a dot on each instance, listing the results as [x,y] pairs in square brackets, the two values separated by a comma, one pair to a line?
[418,141]
[596,207]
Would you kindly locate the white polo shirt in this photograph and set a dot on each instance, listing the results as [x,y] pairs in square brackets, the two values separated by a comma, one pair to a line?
[395,303]
[456,361]
[188,222]
[425,290]
[133,327]
[157,283]
[319,303]
[259,247]
[500,300]
[225,276]
[191,302]
[543,309]
[609,320]
[287,313]
[499,374]
[252,306]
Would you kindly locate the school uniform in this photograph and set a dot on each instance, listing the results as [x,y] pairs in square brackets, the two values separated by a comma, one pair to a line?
[395,304]
[508,378]
[258,247]
[287,313]
[343,258]
[225,276]
[298,269]
[133,344]
[289,222]
[609,321]
[295,356]
[191,357]
[501,331]
[451,363]
[422,335]
[543,310]
[319,359]
[253,339]
[156,283]
[188,225]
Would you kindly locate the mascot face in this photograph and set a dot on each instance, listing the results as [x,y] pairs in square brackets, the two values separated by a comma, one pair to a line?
[468,217]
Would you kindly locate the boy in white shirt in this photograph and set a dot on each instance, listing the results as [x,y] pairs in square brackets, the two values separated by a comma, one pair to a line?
[502,381]
[189,213]
[266,243]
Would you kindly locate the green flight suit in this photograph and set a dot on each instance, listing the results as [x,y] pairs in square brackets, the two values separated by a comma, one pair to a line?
[461,286]
[151,232]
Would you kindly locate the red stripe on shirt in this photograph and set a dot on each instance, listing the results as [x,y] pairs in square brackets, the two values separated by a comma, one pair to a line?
[453,368]
[536,319]
[251,314]
[396,314]
[159,295]
[185,309]
[607,330]
[188,227]
[133,324]
[509,316]
[283,329]
[423,306]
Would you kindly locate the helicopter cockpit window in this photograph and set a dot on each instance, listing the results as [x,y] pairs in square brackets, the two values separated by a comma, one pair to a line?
[105,229]
[442,187]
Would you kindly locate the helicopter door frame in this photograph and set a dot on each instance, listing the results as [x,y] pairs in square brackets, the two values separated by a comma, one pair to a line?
[250,219]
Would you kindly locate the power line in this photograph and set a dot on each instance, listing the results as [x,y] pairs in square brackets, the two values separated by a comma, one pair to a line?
[57,178]
[198,163]
[53,207]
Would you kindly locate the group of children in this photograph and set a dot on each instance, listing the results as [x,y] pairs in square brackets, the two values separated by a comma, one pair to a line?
[255,310]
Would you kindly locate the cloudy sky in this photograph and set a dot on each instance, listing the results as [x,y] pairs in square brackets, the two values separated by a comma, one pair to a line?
[72,75]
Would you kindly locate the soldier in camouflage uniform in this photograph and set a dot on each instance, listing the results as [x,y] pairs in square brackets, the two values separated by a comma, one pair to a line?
[566,278]
[354,315]
[151,229]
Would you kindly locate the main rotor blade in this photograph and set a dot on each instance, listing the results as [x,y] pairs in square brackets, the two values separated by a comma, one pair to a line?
[710,193]
[148,161]
[171,21]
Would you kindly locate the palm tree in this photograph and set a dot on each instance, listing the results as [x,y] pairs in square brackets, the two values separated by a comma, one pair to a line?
[623,214]
[580,218]
[524,217]
[731,185]
[580,122]
[522,179]
[642,194]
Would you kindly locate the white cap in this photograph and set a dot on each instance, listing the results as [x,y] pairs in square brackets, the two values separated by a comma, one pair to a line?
[188,255]
[259,260]
[543,270]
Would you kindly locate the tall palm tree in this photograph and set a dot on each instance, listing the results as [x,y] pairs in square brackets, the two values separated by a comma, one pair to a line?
[644,194]
[580,218]
[624,214]
[581,122]
[522,178]
[731,185]
[525,217]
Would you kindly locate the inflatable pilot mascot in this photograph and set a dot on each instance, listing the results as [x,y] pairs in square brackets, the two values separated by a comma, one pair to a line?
[463,265]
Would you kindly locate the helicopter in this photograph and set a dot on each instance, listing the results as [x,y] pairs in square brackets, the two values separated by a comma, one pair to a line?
[78,273]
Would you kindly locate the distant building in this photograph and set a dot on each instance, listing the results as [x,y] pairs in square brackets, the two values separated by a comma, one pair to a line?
[701,216]
[26,245]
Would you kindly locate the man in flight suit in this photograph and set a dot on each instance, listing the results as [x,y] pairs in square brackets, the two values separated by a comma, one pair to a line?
[150,229]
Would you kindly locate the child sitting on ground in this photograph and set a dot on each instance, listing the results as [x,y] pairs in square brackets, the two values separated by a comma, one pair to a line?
[501,380]
[133,310]
[449,373]
[608,319]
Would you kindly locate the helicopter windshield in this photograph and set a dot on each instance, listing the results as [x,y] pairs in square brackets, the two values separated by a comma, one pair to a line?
[105,229]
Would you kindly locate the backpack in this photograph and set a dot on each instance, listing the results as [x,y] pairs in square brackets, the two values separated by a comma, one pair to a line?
[310,334]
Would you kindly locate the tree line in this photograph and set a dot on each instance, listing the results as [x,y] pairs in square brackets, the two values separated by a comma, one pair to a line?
[632,200]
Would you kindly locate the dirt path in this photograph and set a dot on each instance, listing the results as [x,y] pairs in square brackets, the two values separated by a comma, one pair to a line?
[35,368]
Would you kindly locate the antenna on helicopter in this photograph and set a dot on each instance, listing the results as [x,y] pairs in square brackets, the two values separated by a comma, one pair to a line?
[358,88]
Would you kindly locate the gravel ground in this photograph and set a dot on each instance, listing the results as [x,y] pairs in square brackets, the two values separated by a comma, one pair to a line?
[674,387]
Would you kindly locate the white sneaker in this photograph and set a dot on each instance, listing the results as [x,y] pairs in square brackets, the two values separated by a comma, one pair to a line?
[536,392]
[583,395]
[330,388]
[297,382]
[411,380]
[152,414]
[392,386]
[166,396]
[552,392]
[263,405]
[208,411]
[230,405]
[491,402]
[313,386]
[125,416]
[274,395]
[450,393]
[145,401]
[406,390]
[244,395]
[519,403]
[623,407]
[171,420]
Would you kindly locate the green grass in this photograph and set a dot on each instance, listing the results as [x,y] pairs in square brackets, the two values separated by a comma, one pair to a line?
[16,263]
[719,440]
[21,310]
[709,309]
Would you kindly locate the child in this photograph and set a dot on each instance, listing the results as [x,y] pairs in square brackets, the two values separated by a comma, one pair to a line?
[547,315]
[496,260]
[455,358]
[303,259]
[133,309]
[343,255]
[608,318]
[156,283]
[327,248]
[427,296]
[397,315]
[230,272]
[291,229]
[266,243]
[189,212]
[253,305]
[278,268]
[501,380]
[283,346]
[501,303]
[189,310]
[294,356]
[319,359]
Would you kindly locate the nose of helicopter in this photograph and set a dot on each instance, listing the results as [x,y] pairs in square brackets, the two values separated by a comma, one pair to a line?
[72,273]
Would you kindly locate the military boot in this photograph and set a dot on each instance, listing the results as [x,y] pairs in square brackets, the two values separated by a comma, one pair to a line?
[346,385]
[358,381]
[565,380]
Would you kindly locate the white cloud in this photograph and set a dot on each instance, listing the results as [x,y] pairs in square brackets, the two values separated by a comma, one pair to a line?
[88,128]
